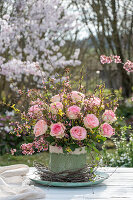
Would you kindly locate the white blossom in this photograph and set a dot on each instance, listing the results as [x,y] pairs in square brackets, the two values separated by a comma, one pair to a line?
[32,31]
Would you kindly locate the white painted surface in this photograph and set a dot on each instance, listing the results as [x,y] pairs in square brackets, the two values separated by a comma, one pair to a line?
[119,186]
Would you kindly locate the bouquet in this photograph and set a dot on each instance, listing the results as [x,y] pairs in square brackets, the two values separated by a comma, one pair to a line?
[65,118]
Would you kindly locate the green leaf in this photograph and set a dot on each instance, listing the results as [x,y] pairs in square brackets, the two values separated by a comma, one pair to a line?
[95,149]
[73,146]
[64,149]
[50,139]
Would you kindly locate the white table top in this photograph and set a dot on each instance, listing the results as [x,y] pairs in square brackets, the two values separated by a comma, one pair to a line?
[119,185]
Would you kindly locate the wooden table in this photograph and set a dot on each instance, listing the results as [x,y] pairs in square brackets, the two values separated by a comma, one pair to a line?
[119,186]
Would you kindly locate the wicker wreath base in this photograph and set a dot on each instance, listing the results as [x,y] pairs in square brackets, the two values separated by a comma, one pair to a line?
[81,175]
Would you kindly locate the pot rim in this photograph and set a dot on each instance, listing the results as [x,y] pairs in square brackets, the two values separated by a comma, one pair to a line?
[59,150]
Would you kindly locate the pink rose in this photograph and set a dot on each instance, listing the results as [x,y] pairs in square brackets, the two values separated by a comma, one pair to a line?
[40,128]
[107,130]
[109,116]
[77,96]
[78,133]
[38,102]
[94,102]
[73,112]
[57,130]
[35,110]
[55,107]
[56,98]
[91,121]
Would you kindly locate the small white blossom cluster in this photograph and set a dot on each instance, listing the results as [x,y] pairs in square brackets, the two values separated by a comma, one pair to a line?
[122,155]
[14,69]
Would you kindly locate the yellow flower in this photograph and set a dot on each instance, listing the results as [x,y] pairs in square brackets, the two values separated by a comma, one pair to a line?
[65,101]
[68,149]
[15,109]
[60,112]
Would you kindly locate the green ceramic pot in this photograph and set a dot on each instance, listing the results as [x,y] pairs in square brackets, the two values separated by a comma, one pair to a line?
[60,161]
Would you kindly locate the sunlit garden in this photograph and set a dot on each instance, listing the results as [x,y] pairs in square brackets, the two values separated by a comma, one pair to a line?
[66,99]
[66,81]
[60,49]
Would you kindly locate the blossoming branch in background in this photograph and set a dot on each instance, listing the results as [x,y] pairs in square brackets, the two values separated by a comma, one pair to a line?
[109,59]
[128,65]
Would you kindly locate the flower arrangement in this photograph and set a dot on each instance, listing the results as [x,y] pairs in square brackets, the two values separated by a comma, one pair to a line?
[68,119]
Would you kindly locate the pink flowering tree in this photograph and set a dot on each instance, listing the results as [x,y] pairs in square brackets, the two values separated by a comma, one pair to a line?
[127,66]
[32,33]
[109,24]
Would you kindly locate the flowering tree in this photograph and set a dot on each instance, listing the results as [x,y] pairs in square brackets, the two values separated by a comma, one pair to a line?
[128,65]
[110,27]
[33,32]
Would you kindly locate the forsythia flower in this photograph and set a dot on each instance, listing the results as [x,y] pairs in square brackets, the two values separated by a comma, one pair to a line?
[60,113]
[68,149]
[15,109]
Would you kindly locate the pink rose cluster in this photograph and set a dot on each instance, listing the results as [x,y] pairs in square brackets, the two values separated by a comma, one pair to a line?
[40,128]
[94,102]
[57,130]
[40,144]
[78,133]
[73,112]
[91,121]
[35,110]
[55,107]
[109,116]
[106,130]
[77,96]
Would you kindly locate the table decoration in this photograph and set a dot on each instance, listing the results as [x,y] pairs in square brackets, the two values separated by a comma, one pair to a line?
[79,178]
[70,124]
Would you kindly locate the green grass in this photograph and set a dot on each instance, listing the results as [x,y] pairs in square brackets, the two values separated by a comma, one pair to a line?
[8,159]
[43,157]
